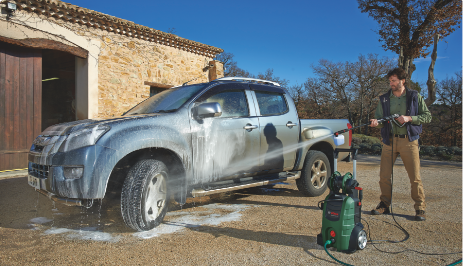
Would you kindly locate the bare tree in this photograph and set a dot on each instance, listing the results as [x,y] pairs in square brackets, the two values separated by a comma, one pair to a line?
[337,79]
[370,82]
[407,27]
[320,102]
[450,98]
[230,66]
[431,82]
[269,75]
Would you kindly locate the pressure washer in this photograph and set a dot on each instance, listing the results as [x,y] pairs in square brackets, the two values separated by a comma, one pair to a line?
[341,216]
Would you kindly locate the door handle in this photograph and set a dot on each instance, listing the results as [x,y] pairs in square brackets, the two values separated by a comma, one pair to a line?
[290,124]
[250,127]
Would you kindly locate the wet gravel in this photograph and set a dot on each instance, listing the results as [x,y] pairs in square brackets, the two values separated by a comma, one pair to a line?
[258,226]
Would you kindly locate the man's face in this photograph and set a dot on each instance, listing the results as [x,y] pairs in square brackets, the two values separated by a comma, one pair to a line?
[396,84]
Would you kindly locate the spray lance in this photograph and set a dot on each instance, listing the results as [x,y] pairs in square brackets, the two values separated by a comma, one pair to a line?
[381,120]
[339,139]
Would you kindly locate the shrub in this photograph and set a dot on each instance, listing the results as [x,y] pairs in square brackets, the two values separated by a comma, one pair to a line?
[427,150]
[456,150]
[364,146]
[376,149]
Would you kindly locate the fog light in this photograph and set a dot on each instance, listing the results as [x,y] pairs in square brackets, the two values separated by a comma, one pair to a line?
[73,172]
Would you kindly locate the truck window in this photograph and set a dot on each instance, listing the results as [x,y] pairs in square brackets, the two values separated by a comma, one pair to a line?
[233,103]
[271,103]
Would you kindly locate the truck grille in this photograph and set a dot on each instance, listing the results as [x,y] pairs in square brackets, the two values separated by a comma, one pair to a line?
[38,170]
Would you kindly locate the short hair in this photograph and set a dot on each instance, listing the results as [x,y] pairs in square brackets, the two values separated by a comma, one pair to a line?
[398,72]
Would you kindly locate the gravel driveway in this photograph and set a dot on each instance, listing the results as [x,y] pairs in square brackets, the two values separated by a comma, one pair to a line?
[259,226]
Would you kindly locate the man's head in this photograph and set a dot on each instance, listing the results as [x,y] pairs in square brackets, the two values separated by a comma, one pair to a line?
[397,77]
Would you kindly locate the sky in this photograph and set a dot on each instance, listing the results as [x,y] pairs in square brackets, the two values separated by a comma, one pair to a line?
[286,36]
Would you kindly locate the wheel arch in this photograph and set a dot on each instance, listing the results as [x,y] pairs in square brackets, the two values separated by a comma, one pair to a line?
[328,150]
[177,172]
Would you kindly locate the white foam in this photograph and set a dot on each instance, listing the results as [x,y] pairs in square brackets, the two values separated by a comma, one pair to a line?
[40,220]
[55,231]
[191,220]
[88,233]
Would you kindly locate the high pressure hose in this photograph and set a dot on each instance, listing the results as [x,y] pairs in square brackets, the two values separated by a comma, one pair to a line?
[455,263]
[328,242]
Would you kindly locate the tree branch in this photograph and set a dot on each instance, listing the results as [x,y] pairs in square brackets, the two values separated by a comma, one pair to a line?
[428,19]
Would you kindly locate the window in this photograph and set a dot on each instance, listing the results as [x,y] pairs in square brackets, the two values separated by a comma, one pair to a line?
[271,103]
[155,90]
[166,101]
[233,103]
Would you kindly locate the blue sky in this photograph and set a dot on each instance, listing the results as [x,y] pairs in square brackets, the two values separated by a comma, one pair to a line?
[287,36]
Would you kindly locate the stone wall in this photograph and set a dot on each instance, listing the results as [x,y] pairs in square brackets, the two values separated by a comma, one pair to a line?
[125,63]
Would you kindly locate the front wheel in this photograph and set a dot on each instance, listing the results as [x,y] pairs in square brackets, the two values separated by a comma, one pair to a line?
[144,195]
[315,174]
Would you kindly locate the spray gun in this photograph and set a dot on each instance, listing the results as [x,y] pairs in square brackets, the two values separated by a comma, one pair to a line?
[381,120]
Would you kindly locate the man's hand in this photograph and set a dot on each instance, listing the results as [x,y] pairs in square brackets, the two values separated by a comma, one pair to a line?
[403,119]
[374,123]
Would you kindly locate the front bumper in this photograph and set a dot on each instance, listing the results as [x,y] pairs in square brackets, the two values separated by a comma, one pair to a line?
[48,172]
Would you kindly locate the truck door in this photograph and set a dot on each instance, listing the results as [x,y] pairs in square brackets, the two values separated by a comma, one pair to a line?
[279,123]
[226,147]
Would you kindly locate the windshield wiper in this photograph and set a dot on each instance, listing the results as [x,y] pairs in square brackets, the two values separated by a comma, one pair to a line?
[166,111]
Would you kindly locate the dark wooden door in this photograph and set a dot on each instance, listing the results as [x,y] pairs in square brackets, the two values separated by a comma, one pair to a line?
[20,103]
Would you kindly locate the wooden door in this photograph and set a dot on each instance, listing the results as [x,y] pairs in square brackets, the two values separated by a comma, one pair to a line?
[20,103]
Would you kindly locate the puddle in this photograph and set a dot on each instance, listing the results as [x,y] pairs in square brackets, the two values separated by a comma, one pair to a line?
[175,221]
[270,190]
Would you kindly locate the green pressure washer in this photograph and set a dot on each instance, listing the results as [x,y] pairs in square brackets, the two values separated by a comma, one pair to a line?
[341,216]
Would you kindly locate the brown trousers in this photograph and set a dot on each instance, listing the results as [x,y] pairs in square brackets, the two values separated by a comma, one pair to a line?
[409,152]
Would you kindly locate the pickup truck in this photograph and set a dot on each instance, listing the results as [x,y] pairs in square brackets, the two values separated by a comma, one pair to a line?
[187,141]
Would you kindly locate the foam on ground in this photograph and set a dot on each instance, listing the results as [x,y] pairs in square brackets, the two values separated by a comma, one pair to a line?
[190,220]
[87,233]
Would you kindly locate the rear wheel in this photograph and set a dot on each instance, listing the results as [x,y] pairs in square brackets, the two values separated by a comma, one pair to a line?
[144,195]
[316,172]
[362,240]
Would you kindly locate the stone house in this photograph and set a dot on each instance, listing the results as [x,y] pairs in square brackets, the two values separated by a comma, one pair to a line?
[60,62]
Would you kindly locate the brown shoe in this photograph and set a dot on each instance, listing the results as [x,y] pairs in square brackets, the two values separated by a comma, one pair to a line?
[382,208]
[420,215]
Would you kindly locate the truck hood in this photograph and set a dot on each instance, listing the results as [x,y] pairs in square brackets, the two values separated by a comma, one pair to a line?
[69,127]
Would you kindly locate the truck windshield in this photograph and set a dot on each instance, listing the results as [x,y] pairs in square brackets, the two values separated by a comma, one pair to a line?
[166,101]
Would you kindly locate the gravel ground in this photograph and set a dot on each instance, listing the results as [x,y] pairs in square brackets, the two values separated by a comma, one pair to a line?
[258,226]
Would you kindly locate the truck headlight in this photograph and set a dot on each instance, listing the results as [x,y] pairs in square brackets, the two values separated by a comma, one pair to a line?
[84,137]
[73,172]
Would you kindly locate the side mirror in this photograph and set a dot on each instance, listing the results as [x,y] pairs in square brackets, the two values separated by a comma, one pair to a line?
[205,110]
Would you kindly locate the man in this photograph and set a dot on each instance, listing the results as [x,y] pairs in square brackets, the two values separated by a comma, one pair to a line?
[413,112]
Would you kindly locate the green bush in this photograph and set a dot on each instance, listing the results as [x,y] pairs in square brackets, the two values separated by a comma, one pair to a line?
[456,150]
[372,145]
[359,138]
[427,150]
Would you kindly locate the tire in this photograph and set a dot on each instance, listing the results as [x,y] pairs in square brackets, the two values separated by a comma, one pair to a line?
[144,196]
[315,174]
[358,239]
